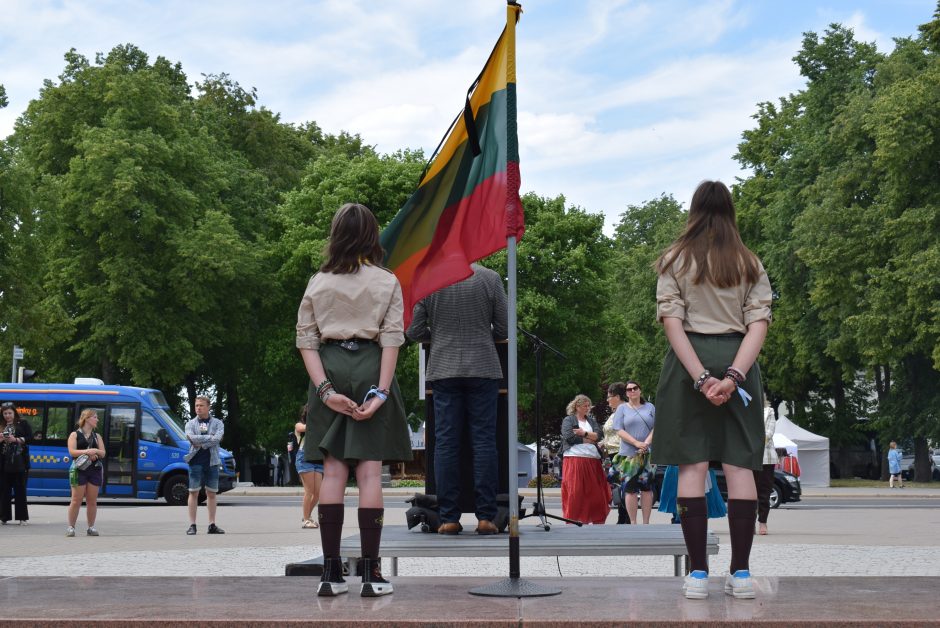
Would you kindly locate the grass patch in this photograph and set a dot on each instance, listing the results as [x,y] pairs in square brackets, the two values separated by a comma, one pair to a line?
[857,483]
[407,483]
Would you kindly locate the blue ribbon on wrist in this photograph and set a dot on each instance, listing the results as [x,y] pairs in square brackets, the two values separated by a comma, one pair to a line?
[374,392]
[745,397]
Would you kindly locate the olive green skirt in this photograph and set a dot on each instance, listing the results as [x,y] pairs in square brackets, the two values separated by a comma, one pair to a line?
[385,436]
[689,429]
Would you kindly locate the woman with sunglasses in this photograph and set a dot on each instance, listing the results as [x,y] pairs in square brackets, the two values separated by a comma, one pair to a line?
[16,436]
[634,418]
[350,325]
[713,299]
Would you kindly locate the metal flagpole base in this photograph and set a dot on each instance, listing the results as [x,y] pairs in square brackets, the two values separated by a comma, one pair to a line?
[514,587]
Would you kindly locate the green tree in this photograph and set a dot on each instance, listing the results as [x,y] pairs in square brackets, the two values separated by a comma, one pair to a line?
[642,234]
[844,207]
[562,263]
[344,171]
[807,359]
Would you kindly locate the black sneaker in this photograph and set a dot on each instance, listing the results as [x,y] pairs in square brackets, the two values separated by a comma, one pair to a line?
[331,581]
[373,584]
[214,529]
[191,530]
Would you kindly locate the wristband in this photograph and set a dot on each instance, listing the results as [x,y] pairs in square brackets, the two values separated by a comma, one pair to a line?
[326,391]
[323,386]
[735,375]
[701,380]
[375,391]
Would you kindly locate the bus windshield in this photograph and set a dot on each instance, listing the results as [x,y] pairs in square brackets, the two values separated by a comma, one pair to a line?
[175,424]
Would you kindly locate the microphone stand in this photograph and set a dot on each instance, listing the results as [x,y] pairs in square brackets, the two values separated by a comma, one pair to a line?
[538,509]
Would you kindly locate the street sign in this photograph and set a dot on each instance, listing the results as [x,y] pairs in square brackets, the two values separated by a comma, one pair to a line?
[17,353]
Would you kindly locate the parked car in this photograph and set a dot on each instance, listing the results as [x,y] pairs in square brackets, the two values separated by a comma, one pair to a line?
[907,467]
[786,487]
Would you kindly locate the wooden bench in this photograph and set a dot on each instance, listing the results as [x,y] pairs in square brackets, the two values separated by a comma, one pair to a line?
[561,540]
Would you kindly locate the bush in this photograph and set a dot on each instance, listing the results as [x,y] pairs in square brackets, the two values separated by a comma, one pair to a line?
[404,483]
[548,481]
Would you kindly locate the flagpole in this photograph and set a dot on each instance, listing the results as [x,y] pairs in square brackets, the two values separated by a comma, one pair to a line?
[514,586]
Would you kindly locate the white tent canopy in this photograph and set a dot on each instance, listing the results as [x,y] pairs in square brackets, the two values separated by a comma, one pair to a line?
[813,451]
[782,442]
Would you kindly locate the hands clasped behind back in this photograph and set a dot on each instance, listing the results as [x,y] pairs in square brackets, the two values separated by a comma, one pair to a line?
[338,402]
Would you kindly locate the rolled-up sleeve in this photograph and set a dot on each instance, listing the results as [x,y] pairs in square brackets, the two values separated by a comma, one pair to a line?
[308,332]
[669,302]
[758,299]
[392,329]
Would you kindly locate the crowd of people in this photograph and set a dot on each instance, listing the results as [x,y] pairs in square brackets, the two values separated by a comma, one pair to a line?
[713,300]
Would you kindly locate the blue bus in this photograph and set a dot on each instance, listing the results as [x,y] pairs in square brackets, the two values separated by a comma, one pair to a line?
[144,441]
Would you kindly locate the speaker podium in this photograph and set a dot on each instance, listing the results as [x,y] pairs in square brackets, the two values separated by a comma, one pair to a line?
[467,500]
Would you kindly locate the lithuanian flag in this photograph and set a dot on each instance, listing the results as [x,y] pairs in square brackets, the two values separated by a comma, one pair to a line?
[467,202]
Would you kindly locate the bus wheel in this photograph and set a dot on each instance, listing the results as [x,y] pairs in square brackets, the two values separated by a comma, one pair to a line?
[176,490]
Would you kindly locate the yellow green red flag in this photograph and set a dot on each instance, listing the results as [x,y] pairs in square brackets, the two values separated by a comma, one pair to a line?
[467,202]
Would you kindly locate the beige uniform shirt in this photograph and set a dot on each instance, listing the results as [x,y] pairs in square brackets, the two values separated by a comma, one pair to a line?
[365,304]
[705,309]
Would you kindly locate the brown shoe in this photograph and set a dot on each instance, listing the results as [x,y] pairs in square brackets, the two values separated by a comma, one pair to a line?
[451,528]
[486,527]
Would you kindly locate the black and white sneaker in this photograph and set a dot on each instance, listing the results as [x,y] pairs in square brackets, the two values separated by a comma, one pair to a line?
[331,582]
[214,529]
[373,584]
[191,530]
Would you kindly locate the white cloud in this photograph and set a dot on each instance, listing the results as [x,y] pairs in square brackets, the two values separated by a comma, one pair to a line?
[619,100]
[865,33]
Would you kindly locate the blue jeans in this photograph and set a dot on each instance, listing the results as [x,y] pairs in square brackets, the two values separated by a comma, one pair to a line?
[203,476]
[465,403]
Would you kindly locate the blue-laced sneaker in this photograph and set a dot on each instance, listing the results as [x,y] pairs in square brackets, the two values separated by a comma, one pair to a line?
[695,585]
[739,585]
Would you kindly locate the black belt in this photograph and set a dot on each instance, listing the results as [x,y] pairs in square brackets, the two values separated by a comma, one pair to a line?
[733,334]
[350,344]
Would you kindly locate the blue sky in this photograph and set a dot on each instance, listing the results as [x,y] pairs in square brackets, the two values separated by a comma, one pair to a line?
[619,101]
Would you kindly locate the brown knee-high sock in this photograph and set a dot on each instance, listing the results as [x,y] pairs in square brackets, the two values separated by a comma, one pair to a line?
[370,530]
[741,516]
[331,528]
[693,515]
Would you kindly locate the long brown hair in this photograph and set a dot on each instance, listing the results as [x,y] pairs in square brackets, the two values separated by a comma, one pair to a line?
[711,240]
[9,405]
[354,240]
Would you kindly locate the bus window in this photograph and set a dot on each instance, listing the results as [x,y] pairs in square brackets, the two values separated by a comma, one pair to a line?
[120,450]
[59,423]
[151,430]
[31,412]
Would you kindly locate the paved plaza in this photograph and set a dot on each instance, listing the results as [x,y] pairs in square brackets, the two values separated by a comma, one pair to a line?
[861,558]
[263,534]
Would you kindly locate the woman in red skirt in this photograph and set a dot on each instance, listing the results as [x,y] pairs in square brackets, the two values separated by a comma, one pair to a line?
[585,493]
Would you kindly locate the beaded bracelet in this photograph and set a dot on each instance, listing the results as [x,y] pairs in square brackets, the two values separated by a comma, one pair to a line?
[323,385]
[327,390]
[701,380]
[734,375]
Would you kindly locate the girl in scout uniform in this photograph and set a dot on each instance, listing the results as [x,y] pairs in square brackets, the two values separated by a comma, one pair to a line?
[349,329]
[713,299]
